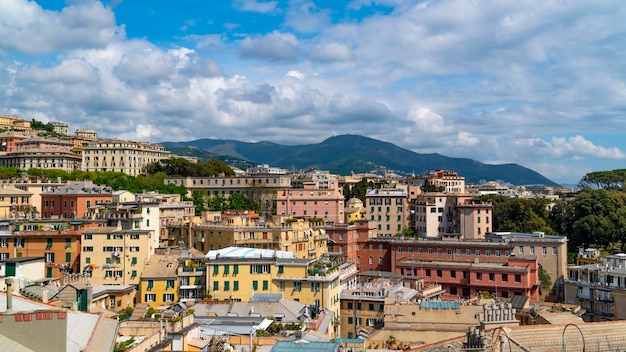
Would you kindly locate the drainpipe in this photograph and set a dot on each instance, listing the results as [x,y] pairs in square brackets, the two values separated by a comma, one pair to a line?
[9,283]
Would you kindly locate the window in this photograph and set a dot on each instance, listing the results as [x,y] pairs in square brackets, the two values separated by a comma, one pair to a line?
[478,252]
[226,285]
[169,284]
[488,252]
[518,278]
[479,276]
[216,269]
[68,242]
[150,297]
[87,249]
[281,269]
[226,269]
[168,297]
[554,251]
[439,251]
[350,320]
[216,285]
[265,285]
[134,249]
[371,306]
[49,243]
[133,261]
[521,249]
[544,250]
[235,285]
[468,252]
[49,257]
[492,277]
[255,285]
[532,250]
[371,260]
[497,252]
[236,269]
[315,286]
[297,286]
[452,273]
[150,284]
[505,277]
[282,286]
[400,249]
[134,273]
[427,272]
[439,273]
[68,257]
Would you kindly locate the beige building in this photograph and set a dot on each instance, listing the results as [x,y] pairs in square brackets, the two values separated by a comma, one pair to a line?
[389,207]
[113,256]
[172,211]
[14,123]
[121,156]
[258,186]
[59,127]
[551,253]
[303,238]
[450,180]
[14,202]
[36,187]
[41,153]
[451,215]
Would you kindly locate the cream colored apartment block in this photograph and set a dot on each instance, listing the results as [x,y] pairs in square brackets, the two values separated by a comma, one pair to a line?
[112,256]
[303,238]
[121,156]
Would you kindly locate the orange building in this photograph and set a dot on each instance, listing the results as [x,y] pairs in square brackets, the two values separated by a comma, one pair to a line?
[57,241]
[73,200]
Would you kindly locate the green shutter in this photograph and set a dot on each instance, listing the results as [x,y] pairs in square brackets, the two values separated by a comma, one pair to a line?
[255,285]
[68,257]
[236,269]
[265,285]
[216,285]
[235,285]
[216,270]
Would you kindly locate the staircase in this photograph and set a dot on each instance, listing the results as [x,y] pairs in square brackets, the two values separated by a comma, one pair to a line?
[140,311]
[35,291]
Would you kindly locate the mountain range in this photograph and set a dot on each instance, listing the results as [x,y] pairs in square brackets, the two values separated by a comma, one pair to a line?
[352,153]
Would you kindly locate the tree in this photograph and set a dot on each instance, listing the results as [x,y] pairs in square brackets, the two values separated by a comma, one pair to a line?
[358,190]
[429,187]
[545,283]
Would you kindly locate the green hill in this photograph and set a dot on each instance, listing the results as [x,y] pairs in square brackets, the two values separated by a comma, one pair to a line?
[346,153]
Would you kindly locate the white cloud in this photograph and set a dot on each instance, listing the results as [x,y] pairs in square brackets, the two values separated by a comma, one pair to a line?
[257,6]
[27,28]
[575,147]
[330,52]
[428,121]
[273,46]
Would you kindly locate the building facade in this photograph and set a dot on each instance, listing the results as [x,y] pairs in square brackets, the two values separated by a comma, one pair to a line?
[121,156]
[73,200]
[314,195]
[389,208]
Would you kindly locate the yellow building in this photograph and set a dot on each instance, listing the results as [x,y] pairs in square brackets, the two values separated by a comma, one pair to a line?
[113,256]
[14,202]
[303,238]
[159,281]
[237,274]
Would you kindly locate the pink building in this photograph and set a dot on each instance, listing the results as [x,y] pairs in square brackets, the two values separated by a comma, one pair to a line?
[315,195]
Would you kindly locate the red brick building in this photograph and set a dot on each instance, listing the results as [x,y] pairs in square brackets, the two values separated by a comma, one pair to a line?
[73,200]
[471,261]
[347,238]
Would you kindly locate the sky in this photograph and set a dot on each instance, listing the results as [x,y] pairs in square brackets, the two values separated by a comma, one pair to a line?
[538,83]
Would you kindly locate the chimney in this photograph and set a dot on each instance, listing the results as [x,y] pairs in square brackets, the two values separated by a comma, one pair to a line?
[9,283]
